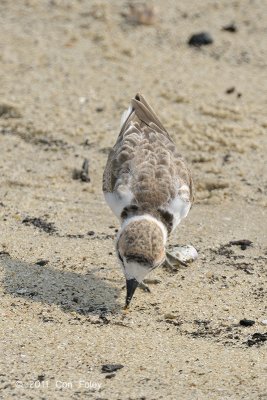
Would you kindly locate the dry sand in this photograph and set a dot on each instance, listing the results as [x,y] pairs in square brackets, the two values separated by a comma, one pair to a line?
[68,71]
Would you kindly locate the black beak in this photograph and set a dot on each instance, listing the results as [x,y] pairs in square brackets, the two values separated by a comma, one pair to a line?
[131,285]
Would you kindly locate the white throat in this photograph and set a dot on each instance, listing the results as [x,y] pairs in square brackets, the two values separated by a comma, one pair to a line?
[134,270]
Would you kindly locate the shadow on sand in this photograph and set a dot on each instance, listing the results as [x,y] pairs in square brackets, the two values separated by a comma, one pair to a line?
[84,293]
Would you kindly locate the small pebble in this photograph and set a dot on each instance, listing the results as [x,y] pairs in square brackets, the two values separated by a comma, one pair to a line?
[42,262]
[200,39]
[82,100]
[264,322]
[243,243]
[111,367]
[230,28]
[109,376]
[230,90]
[246,322]
[41,378]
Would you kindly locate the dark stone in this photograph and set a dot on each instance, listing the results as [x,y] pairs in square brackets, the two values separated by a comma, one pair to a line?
[109,376]
[41,378]
[91,233]
[111,367]
[243,243]
[257,339]
[246,322]
[42,262]
[230,28]
[200,39]
[230,90]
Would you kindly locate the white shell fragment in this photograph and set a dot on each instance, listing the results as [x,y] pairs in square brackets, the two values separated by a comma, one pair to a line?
[186,254]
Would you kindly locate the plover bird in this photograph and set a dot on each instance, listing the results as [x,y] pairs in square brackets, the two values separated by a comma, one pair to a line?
[148,186]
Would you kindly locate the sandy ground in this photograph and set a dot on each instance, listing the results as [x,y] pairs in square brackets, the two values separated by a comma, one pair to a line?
[68,71]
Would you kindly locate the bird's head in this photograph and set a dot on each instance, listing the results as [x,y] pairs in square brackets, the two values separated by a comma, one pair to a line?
[140,248]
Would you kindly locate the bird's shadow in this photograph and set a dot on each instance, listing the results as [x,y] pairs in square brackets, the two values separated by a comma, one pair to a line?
[86,294]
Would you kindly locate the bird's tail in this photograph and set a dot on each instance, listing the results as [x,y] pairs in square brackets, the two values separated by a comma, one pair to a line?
[141,110]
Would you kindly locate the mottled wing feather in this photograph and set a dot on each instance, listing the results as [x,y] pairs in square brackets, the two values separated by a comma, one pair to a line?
[144,169]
